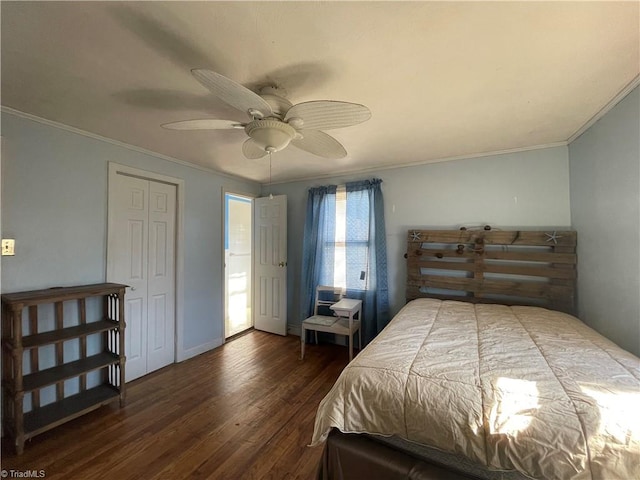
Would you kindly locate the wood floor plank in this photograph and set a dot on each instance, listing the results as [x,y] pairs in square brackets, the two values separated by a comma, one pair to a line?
[244,410]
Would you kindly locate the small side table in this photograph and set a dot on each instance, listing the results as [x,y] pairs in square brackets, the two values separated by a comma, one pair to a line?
[346,309]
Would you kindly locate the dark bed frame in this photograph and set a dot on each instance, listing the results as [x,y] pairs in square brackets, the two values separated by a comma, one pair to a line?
[486,265]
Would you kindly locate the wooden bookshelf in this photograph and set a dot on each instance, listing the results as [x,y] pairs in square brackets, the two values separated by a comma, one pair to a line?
[21,425]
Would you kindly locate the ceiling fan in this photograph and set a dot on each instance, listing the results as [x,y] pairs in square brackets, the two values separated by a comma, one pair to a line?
[275,122]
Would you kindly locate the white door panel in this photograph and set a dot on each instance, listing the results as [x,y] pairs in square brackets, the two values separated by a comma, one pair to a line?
[157,337]
[161,331]
[270,244]
[135,341]
[127,263]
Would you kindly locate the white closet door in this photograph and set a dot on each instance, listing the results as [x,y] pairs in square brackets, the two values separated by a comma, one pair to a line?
[141,254]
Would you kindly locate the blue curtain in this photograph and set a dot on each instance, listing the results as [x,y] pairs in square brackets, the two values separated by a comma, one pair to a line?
[318,245]
[366,251]
[366,255]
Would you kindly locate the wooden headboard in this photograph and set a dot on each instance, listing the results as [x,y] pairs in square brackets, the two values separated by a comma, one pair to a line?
[493,266]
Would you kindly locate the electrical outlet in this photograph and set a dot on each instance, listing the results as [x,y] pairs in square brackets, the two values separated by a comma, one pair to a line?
[8,246]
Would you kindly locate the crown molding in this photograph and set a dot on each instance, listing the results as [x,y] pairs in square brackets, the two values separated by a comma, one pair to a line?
[95,136]
[604,110]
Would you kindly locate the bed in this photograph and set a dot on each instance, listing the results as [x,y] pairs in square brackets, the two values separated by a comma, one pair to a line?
[489,376]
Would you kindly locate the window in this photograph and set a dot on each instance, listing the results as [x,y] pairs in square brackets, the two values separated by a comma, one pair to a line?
[348,248]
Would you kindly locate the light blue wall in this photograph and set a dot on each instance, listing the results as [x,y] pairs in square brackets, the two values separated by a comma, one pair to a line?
[528,189]
[605,210]
[54,203]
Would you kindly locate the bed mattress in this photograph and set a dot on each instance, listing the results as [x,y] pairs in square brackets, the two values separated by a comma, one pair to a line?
[511,388]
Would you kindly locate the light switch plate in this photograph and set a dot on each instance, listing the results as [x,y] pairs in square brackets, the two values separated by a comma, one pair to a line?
[8,246]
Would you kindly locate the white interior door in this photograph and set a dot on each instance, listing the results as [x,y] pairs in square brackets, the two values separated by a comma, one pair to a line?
[270,264]
[141,254]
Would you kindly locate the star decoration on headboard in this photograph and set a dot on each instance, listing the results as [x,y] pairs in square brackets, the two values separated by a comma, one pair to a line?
[553,237]
[415,236]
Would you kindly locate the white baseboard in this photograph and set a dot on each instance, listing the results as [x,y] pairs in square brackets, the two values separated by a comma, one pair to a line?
[205,347]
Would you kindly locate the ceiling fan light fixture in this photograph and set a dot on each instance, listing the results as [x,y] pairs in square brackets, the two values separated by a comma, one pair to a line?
[269,134]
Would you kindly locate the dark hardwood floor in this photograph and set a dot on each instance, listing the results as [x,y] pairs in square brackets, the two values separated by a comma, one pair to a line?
[242,411]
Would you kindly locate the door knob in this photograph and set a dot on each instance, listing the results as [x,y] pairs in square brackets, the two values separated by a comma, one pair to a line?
[282,264]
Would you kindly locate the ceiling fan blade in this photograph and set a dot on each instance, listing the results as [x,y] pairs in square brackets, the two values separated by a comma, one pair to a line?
[233,93]
[319,143]
[251,149]
[327,114]
[203,124]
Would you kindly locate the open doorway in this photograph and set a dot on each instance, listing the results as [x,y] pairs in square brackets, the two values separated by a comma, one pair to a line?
[238,216]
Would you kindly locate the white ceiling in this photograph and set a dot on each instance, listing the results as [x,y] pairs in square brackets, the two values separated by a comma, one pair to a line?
[442,80]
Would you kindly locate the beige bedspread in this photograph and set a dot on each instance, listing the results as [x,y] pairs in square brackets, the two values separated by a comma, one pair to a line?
[513,388]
